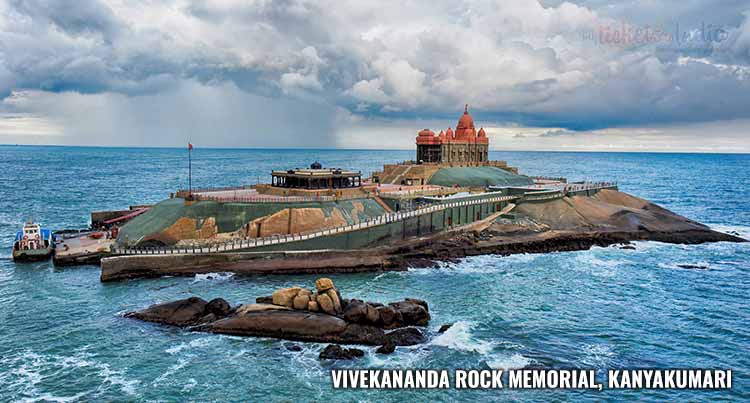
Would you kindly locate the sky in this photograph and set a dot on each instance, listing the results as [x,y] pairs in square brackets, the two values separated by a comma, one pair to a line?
[669,75]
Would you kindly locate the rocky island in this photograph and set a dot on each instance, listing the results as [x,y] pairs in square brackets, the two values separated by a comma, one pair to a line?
[452,201]
[300,314]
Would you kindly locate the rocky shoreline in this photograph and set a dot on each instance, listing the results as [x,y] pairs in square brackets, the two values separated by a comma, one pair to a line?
[567,224]
[299,314]
[475,244]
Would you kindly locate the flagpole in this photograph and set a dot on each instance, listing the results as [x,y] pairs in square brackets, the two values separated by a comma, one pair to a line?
[190,171]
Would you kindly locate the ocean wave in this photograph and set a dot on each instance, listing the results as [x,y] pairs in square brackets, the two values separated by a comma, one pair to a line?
[597,266]
[483,264]
[644,246]
[514,361]
[597,355]
[197,343]
[173,369]
[459,337]
[189,385]
[403,357]
[305,363]
[702,265]
[60,399]
[221,276]
[30,369]
[742,231]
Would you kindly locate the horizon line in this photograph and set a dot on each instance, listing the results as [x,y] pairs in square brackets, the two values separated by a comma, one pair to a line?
[369,149]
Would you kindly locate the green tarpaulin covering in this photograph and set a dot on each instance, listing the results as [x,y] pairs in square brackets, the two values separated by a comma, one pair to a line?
[478,177]
[230,216]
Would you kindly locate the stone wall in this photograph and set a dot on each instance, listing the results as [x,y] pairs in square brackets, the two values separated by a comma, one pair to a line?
[391,232]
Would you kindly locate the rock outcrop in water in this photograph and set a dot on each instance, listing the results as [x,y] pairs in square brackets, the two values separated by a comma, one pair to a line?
[353,322]
[566,224]
[336,352]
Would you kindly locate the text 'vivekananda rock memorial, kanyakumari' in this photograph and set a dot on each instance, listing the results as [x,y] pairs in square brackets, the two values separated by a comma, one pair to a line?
[451,201]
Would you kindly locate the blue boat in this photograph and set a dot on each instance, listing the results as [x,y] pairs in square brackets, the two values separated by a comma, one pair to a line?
[33,243]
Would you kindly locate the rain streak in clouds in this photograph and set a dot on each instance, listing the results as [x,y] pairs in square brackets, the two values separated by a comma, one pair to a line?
[537,75]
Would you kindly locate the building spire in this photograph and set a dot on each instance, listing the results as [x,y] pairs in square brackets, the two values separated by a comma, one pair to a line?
[466,108]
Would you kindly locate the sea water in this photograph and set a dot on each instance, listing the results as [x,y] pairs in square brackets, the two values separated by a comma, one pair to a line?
[63,337]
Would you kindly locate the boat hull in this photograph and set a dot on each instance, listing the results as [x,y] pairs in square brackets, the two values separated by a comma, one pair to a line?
[32,255]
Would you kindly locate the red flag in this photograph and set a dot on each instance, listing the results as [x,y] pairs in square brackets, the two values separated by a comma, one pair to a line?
[190,146]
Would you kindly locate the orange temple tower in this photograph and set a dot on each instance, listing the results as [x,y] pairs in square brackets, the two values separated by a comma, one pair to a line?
[463,145]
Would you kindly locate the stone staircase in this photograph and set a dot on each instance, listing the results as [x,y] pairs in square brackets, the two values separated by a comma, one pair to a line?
[397,174]
[383,204]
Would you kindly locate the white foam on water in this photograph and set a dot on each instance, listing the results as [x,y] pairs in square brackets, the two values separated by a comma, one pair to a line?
[212,277]
[742,230]
[483,264]
[30,369]
[514,361]
[702,265]
[643,246]
[115,378]
[305,364]
[181,363]
[597,355]
[402,357]
[590,263]
[197,343]
[459,337]
[189,385]
[61,399]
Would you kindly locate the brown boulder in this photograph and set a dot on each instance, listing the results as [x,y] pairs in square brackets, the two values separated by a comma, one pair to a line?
[386,348]
[387,315]
[301,301]
[419,302]
[361,312]
[335,299]
[297,325]
[285,296]
[183,312]
[219,307]
[246,308]
[407,336]
[336,352]
[413,313]
[373,316]
[285,324]
[312,306]
[366,334]
[326,305]
[355,312]
[323,284]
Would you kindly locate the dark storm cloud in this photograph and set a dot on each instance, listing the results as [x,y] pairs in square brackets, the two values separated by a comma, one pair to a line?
[525,63]
[79,17]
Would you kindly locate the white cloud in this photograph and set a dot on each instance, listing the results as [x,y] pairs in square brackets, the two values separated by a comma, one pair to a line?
[522,62]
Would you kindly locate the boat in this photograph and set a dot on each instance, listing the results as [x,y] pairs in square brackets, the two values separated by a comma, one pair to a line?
[33,243]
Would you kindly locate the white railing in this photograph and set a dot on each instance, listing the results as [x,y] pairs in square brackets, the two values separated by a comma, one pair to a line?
[582,187]
[249,243]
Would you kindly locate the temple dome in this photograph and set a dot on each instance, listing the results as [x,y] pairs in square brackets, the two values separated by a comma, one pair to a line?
[466,121]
